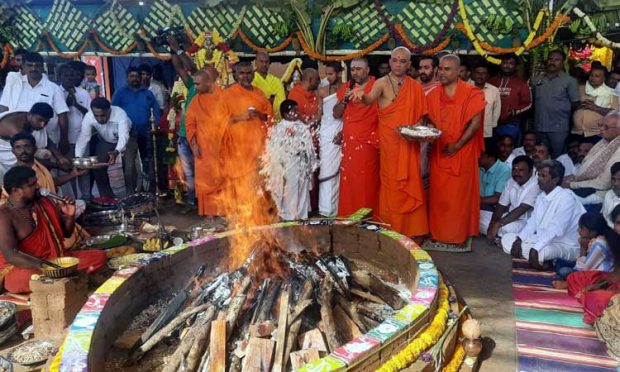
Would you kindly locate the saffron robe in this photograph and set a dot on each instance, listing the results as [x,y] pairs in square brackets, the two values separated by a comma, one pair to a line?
[454,195]
[206,125]
[359,166]
[244,143]
[307,102]
[401,198]
[46,241]
[271,86]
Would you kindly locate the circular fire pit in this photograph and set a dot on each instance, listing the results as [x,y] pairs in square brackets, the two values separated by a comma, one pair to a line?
[113,306]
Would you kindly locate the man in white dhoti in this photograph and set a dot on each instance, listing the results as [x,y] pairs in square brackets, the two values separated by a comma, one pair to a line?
[515,203]
[288,164]
[552,230]
[330,149]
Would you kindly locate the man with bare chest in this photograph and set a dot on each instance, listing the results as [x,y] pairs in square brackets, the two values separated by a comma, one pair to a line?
[36,226]
[32,122]
[401,102]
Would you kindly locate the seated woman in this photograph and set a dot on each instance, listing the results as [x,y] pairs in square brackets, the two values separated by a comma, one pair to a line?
[37,226]
[595,254]
[594,289]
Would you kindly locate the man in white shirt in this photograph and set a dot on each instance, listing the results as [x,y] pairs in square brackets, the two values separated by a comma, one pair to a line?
[78,100]
[112,126]
[516,202]
[612,197]
[529,141]
[146,74]
[34,87]
[491,96]
[552,230]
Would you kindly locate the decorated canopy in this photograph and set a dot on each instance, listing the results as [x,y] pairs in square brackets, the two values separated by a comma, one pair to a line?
[315,27]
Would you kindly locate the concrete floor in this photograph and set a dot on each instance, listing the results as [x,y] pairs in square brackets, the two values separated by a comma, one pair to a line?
[483,278]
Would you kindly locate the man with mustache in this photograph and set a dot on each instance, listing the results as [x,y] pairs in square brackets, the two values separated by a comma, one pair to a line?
[360,144]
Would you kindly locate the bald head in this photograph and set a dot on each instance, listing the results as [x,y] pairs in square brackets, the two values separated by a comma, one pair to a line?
[400,61]
[262,62]
[204,80]
[310,79]
[449,69]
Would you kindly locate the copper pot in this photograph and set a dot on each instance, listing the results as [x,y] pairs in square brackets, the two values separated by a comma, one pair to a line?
[472,347]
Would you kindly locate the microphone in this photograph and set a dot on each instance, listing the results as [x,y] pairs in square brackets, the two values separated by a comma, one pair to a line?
[351,86]
[51,195]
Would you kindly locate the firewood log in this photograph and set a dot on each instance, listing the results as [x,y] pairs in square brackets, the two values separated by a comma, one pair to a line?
[375,285]
[325,298]
[295,320]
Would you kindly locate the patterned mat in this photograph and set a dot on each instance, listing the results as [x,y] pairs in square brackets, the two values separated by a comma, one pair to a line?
[551,335]
[431,245]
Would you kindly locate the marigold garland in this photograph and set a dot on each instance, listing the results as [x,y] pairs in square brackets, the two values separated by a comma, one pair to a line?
[257,48]
[429,337]
[457,359]
[60,53]
[102,45]
[155,53]
[324,58]
[439,47]
[472,37]
[399,33]
[6,54]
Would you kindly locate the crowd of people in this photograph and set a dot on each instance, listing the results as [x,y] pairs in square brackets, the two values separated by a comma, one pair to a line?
[532,166]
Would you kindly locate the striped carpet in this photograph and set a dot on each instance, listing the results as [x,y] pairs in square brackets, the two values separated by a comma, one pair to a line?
[550,333]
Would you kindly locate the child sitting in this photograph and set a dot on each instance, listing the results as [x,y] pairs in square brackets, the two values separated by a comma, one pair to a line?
[594,234]
[288,164]
[90,83]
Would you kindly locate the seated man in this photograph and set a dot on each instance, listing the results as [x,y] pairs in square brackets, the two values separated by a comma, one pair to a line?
[571,158]
[516,202]
[37,226]
[551,231]
[24,147]
[612,197]
[493,177]
[505,146]
[112,125]
[542,152]
[529,140]
[593,178]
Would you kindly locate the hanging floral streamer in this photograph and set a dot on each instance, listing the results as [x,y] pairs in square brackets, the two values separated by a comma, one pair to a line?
[326,58]
[405,41]
[602,39]
[257,48]
[7,49]
[60,53]
[472,37]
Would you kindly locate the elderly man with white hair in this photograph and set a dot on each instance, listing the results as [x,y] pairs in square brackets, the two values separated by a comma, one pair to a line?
[551,231]
[401,101]
[593,178]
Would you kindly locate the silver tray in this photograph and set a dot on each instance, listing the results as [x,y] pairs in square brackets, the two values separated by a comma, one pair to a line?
[48,345]
[419,132]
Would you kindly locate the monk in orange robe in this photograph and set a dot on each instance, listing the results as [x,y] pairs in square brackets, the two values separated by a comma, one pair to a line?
[457,108]
[310,108]
[246,113]
[401,102]
[359,167]
[37,226]
[205,132]
[305,94]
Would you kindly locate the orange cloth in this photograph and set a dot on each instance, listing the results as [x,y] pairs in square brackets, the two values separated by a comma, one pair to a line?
[244,143]
[401,199]
[308,102]
[207,125]
[46,241]
[360,155]
[454,195]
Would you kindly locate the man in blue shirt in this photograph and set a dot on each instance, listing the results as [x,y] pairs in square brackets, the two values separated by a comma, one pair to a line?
[138,102]
[494,174]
